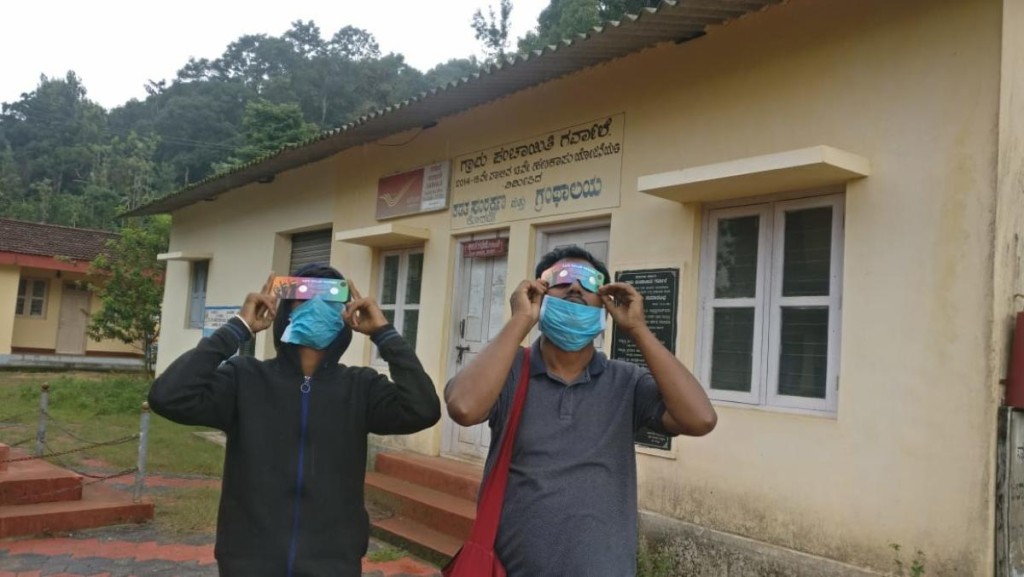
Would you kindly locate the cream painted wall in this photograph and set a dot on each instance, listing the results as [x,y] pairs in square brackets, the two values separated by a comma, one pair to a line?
[41,333]
[241,229]
[1008,248]
[9,276]
[913,86]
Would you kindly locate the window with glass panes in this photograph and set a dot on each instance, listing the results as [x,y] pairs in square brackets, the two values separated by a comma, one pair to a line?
[197,293]
[770,303]
[31,298]
[399,296]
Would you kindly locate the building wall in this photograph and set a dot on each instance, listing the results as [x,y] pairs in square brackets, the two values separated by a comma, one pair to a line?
[246,231]
[1008,251]
[9,276]
[41,332]
[913,86]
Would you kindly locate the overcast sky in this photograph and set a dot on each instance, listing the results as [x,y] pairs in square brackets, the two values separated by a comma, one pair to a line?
[115,47]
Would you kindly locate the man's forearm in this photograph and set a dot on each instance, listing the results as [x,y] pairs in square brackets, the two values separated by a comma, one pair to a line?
[473,391]
[688,408]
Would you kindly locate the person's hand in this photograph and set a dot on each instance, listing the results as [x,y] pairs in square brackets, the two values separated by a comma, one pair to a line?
[625,304]
[363,314]
[259,309]
[526,299]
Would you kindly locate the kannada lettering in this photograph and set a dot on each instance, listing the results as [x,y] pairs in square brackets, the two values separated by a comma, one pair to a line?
[558,194]
[571,137]
[481,210]
[568,170]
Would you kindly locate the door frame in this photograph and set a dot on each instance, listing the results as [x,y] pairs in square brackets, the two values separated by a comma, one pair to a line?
[543,231]
[447,424]
[541,242]
[64,313]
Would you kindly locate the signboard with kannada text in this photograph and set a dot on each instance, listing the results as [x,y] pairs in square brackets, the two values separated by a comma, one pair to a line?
[569,170]
[483,248]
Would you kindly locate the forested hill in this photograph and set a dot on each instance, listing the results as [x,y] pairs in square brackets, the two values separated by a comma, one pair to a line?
[66,160]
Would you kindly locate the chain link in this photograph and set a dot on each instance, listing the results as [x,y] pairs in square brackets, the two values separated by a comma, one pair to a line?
[70,451]
[52,421]
[65,465]
[21,442]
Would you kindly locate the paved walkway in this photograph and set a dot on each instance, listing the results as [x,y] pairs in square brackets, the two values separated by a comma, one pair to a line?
[143,550]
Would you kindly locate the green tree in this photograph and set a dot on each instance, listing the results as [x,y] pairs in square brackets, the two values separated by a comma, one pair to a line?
[199,124]
[492,30]
[123,178]
[451,71]
[51,132]
[65,160]
[11,191]
[129,282]
[565,19]
[267,128]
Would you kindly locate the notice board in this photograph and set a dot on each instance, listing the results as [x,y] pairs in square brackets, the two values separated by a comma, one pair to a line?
[660,289]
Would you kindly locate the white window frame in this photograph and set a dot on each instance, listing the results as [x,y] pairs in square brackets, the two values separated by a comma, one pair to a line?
[709,302]
[192,293]
[768,302]
[25,310]
[399,307]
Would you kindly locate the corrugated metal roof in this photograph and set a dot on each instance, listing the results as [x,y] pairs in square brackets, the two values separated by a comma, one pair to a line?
[672,21]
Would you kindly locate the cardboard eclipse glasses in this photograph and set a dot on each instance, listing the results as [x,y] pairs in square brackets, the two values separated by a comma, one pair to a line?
[305,288]
[570,272]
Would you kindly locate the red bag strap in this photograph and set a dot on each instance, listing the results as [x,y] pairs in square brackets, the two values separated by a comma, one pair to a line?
[492,497]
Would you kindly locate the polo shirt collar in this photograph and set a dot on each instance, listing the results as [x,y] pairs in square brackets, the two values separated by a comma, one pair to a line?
[538,367]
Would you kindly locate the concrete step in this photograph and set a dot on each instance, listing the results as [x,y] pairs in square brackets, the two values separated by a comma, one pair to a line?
[420,540]
[98,507]
[446,475]
[36,481]
[434,509]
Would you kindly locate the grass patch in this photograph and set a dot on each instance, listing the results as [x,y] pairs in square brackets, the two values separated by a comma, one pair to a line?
[385,554]
[653,559]
[188,511]
[102,407]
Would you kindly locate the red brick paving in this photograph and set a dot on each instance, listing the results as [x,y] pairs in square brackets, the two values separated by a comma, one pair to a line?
[112,553]
[140,552]
[82,548]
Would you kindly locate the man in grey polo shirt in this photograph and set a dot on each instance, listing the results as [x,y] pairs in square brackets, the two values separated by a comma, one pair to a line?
[570,507]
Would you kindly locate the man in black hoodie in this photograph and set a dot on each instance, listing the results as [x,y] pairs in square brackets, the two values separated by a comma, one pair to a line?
[292,498]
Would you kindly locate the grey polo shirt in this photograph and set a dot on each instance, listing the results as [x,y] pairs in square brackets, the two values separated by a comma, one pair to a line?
[570,507]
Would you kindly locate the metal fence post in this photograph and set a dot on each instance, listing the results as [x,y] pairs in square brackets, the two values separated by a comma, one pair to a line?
[140,468]
[44,408]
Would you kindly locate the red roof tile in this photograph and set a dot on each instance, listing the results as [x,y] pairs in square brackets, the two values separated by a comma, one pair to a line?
[52,240]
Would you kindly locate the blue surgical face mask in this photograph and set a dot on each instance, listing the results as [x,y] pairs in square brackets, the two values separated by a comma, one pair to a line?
[570,326]
[314,324]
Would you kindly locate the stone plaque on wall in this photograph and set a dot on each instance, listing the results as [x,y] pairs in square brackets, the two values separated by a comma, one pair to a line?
[660,289]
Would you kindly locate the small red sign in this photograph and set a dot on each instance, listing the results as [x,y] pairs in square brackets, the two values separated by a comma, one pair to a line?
[485,248]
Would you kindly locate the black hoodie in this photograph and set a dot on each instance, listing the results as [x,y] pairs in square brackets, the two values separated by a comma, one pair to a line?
[278,518]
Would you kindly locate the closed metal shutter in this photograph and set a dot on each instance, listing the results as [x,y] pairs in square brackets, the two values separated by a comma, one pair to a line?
[310,247]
